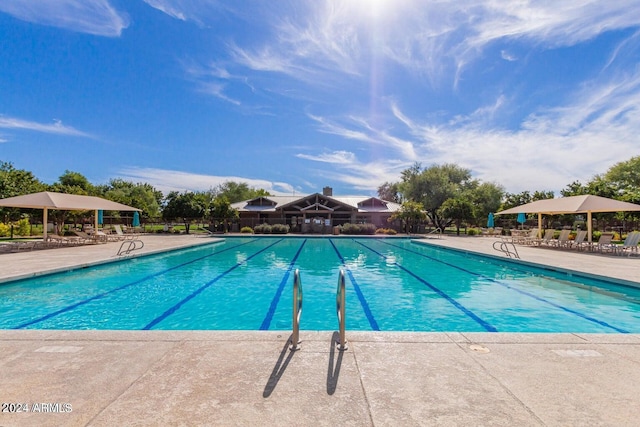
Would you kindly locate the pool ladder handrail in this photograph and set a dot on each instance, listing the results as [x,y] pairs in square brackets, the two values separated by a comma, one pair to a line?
[437,231]
[341,311]
[132,246]
[297,311]
[504,248]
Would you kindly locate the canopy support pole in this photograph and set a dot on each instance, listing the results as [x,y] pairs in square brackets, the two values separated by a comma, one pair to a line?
[45,223]
[589,227]
[540,225]
[95,227]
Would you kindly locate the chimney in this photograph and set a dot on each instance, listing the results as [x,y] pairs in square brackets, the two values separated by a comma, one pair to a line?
[327,191]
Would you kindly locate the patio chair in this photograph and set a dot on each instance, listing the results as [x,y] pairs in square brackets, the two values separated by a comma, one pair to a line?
[530,238]
[85,238]
[562,240]
[54,240]
[604,244]
[630,245]
[548,236]
[121,235]
[579,242]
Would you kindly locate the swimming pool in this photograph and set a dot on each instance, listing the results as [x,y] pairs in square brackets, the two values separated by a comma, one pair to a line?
[245,283]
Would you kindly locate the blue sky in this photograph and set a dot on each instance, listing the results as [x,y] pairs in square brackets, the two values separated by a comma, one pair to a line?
[291,96]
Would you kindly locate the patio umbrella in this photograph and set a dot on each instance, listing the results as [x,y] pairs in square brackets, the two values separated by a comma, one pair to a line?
[573,205]
[100,216]
[46,200]
[490,220]
[522,218]
[136,219]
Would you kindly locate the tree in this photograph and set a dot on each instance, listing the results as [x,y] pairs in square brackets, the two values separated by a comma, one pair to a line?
[624,179]
[485,198]
[410,214]
[237,191]
[76,181]
[16,182]
[433,186]
[458,209]
[513,200]
[70,183]
[142,196]
[221,210]
[390,191]
[185,207]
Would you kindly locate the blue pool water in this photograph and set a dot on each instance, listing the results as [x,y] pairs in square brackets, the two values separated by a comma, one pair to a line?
[245,283]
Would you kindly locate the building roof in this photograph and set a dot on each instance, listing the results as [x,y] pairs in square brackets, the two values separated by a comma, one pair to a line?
[316,201]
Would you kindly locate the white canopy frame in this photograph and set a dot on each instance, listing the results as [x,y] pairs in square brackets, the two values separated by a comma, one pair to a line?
[588,204]
[46,200]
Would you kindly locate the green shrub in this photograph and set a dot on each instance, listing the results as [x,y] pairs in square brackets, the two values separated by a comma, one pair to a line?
[246,230]
[262,229]
[389,231]
[473,231]
[279,229]
[22,227]
[358,229]
[5,230]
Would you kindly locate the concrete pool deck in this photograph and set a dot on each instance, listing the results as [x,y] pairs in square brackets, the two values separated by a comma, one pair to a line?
[225,378]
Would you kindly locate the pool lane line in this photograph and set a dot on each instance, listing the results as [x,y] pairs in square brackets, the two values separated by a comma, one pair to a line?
[195,293]
[356,287]
[276,299]
[523,292]
[486,325]
[119,288]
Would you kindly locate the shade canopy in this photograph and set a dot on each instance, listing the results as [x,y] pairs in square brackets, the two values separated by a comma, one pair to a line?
[67,202]
[573,205]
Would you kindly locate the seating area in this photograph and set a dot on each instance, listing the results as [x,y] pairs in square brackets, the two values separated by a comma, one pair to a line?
[73,237]
[566,239]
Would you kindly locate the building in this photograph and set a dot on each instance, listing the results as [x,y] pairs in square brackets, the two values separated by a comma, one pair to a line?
[315,213]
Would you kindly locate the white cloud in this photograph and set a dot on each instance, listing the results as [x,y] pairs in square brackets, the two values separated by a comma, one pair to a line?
[438,39]
[217,90]
[84,16]
[55,128]
[336,157]
[508,56]
[202,12]
[552,148]
[168,7]
[167,180]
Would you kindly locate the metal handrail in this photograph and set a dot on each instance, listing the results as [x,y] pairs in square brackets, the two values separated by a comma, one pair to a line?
[297,311]
[436,230]
[340,310]
[504,248]
[133,246]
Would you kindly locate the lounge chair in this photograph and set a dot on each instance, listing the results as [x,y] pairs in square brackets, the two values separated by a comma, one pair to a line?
[54,240]
[121,234]
[548,236]
[562,240]
[579,243]
[604,244]
[630,245]
[85,238]
[530,238]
